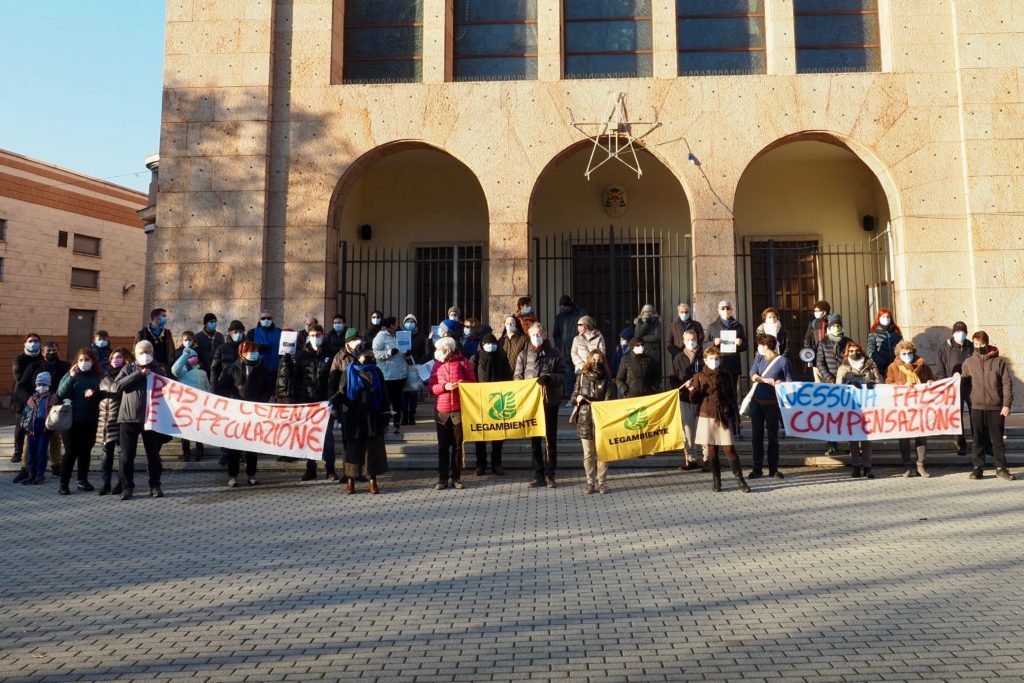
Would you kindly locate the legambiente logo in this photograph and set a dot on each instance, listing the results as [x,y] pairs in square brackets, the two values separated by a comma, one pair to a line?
[636,420]
[504,406]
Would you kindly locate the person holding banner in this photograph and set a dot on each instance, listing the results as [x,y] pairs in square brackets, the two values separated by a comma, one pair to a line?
[187,369]
[309,373]
[991,398]
[688,362]
[542,361]
[713,389]
[490,364]
[952,355]
[638,371]
[829,355]
[593,383]
[857,369]
[909,368]
[769,369]
[131,417]
[227,353]
[450,368]
[362,396]
[248,379]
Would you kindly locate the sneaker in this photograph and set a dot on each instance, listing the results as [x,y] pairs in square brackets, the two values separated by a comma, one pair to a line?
[976,473]
[755,474]
[21,476]
[1004,473]
[479,472]
[126,494]
[105,490]
[534,483]
[85,486]
[457,484]
[552,484]
[499,471]
[253,482]
[441,486]
[589,488]
[156,492]
[830,451]
[868,474]
[856,472]
[232,483]
[602,488]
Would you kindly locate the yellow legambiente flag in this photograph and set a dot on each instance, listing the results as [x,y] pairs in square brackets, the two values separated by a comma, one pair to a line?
[631,427]
[494,411]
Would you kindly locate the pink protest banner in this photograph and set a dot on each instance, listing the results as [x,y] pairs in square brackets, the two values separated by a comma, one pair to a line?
[297,431]
[845,412]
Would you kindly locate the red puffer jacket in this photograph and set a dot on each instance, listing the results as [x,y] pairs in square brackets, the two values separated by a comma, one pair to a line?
[455,369]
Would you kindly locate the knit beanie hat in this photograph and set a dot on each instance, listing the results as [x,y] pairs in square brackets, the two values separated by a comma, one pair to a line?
[43,378]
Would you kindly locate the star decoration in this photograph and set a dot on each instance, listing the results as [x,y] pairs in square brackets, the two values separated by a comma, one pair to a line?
[614,137]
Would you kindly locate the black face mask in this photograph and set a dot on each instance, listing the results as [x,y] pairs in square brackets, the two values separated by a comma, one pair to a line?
[50,356]
[856,356]
[981,350]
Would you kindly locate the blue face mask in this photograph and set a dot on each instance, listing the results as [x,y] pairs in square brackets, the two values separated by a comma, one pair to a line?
[527,310]
[338,327]
[187,343]
[32,347]
[162,320]
[252,356]
[212,325]
[266,323]
[490,348]
[315,342]
[237,337]
[410,326]
[101,343]
[907,357]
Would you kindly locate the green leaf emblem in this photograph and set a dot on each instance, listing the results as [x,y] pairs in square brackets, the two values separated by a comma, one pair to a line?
[636,420]
[504,406]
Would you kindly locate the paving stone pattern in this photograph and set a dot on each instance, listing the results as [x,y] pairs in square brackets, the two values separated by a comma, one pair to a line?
[818,577]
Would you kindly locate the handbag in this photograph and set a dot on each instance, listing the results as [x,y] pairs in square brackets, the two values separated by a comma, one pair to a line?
[745,405]
[58,419]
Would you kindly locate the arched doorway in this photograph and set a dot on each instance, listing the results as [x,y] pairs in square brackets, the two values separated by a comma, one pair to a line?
[412,225]
[611,259]
[813,222]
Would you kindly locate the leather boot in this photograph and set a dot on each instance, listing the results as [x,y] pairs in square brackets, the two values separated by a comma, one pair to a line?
[186,451]
[374,489]
[350,487]
[716,473]
[199,452]
[734,465]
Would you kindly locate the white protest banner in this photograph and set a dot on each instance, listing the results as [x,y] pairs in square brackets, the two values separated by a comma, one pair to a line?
[846,412]
[403,340]
[177,409]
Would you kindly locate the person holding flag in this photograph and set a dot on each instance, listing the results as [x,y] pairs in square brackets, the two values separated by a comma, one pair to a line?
[593,383]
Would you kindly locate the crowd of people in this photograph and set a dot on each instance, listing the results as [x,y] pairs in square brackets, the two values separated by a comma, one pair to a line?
[374,386]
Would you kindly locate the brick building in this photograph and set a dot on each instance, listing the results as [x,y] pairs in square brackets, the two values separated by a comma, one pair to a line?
[72,258]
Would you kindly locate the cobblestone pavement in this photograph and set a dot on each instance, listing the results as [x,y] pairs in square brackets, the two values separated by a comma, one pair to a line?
[818,577]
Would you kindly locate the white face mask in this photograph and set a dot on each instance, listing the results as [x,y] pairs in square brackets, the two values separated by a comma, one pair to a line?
[510,327]
[315,342]
[691,344]
[537,340]
[144,359]
[712,363]
[773,328]
[638,350]
[42,389]
[907,357]
[468,331]
[885,320]
[857,364]
[375,321]
[85,365]
[440,356]
[490,348]
[684,317]
[959,337]
[762,350]
[818,315]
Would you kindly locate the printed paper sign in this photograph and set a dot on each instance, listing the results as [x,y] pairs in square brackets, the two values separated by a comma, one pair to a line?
[177,409]
[495,411]
[403,339]
[289,340]
[631,427]
[845,412]
[728,344]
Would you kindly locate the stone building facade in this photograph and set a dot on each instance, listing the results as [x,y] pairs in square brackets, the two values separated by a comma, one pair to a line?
[898,171]
[72,258]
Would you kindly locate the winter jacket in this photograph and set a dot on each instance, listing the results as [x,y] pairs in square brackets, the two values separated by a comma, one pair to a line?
[513,346]
[544,362]
[592,386]
[247,381]
[675,335]
[310,370]
[830,355]
[269,341]
[24,381]
[206,345]
[882,346]
[33,415]
[564,331]
[223,358]
[582,346]
[163,344]
[131,384]
[102,354]
[730,361]
[335,339]
[471,344]
[868,374]
[107,430]
[339,366]
[194,377]
[781,339]
[649,332]
[951,359]
[391,363]
[637,376]
[991,382]
[492,367]
[715,392]
[419,349]
[457,368]
[361,418]
[816,332]
[73,387]
[685,367]
[919,367]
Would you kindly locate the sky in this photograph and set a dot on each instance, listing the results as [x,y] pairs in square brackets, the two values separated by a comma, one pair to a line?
[81,83]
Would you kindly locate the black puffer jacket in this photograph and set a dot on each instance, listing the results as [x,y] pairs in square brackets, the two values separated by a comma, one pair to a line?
[24,381]
[592,386]
[544,362]
[247,382]
[830,356]
[107,429]
[223,358]
[311,369]
[638,375]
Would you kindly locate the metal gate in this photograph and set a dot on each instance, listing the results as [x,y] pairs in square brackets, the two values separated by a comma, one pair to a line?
[611,272]
[790,275]
[420,279]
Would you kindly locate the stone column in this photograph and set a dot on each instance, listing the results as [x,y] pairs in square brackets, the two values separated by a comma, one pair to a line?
[780,36]
[437,41]
[664,26]
[714,265]
[509,269]
[549,40]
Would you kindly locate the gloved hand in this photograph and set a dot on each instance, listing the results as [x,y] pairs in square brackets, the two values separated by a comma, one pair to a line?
[394,352]
[543,380]
[871,385]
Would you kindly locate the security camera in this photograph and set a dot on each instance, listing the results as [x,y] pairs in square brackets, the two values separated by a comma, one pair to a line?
[149,228]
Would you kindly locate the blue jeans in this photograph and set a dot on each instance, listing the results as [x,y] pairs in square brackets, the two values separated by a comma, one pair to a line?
[765,416]
[38,454]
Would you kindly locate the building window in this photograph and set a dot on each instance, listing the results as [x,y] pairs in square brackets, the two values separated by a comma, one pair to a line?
[608,38]
[383,41]
[720,37]
[495,40]
[85,278]
[3,229]
[2,269]
[837,35]
[89,246]
[62,238]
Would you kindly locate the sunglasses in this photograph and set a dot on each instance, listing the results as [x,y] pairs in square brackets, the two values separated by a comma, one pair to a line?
[266,318]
